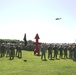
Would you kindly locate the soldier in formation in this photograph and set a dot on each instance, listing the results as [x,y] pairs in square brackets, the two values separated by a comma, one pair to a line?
[55,51]
[65,51]
[61,51]
[11,52]
[74,49]
[71,52]
[50,48]
[43,51]
[7,50]
[2,50]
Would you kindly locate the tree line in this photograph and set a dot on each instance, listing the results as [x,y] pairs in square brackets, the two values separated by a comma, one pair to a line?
[14,41]
[10,41]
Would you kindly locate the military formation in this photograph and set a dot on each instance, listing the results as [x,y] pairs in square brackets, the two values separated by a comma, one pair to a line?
[58,51]
[53,51]
[10,50]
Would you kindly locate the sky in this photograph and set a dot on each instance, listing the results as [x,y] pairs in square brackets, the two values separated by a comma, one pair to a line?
[18,17]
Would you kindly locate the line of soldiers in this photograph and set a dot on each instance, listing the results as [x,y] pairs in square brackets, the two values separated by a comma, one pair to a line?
[10,51]
[61,51]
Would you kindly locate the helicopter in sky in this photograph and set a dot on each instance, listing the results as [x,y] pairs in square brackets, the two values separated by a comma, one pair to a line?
[58,18]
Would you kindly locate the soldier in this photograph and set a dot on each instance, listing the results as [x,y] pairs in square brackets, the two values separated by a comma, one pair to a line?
[2,50]
[65,51]
[16,50]
[55,51]
[61,51]
[11,52]
[19,52]
[74,49]
[43,51]
[50,51]
[7,50]
[71,52]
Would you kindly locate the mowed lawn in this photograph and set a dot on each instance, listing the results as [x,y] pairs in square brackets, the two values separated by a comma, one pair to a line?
[33,65]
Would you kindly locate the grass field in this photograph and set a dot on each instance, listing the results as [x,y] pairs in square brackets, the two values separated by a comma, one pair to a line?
[35,66]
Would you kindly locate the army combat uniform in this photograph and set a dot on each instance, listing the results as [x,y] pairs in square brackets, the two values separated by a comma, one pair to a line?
[55,51]
[65,52]
[70,52]
[11,52]
[74,49]
[50,52]
[2,50]
[43,51]
[61,51]
[19,52]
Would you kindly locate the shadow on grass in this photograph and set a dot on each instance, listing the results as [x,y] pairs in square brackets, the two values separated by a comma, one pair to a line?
[74,60]
[51,59]
[37,55]
[7,56]
[64,58]
[19,57]
[57,59]
[44,60]
[10,59]
[25,60]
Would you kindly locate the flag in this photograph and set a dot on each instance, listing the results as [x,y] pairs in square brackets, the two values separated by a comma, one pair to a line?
[25,39]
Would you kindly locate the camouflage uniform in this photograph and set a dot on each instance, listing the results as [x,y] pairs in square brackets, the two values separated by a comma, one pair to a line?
[16,50]
[2,50]
[7,51]
[11,52]
[70,52]
[19,52]
[50,51]
[65,52]
[61,51]
[43,51]
[55,51]
[74,49]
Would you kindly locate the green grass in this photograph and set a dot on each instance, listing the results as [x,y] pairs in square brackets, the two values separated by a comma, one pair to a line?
[35,66]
